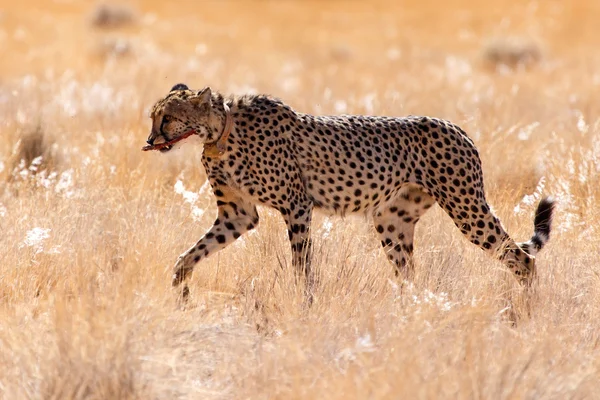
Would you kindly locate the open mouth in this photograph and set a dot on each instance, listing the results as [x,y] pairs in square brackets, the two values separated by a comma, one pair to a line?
[162,147]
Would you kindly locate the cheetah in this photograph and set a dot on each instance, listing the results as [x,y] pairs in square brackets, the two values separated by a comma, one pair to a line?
[259,151]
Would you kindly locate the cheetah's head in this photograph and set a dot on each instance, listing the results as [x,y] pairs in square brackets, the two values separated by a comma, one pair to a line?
[181,113]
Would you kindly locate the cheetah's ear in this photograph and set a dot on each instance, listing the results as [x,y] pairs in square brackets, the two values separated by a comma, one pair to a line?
[180,86]
[203,97]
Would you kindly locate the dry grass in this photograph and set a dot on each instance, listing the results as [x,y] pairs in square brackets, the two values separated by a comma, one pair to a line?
[90,231]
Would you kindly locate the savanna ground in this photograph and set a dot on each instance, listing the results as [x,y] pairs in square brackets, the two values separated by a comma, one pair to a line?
[91,226]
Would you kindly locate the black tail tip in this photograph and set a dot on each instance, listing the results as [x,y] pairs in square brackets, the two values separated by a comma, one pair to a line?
[543,217]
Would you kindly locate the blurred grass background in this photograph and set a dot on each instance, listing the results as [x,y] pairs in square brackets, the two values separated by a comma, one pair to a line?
[91,226]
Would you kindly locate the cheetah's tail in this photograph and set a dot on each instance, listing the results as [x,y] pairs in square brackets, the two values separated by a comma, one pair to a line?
[542,224]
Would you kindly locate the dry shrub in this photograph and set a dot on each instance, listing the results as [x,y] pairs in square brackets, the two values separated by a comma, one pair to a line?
[511,52]
[32,144]
[32,153]
[110,16]
[95,361]
[90,354]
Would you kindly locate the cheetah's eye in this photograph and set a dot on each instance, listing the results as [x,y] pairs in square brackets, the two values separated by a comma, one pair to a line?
[167,118]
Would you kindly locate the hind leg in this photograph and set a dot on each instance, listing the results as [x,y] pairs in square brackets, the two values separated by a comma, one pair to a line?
[447,164]
[465,203]
[396,227]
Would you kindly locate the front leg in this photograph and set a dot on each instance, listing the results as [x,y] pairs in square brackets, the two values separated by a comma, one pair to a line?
[235,217]
[298,218]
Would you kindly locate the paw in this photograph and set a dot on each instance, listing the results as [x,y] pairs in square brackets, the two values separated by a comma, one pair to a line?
[184,295]
[180,272]
[179,276]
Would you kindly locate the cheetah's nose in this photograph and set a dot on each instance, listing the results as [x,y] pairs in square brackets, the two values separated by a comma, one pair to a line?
[150,141]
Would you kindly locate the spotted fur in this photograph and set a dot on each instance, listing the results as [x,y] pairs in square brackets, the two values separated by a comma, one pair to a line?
[393,169]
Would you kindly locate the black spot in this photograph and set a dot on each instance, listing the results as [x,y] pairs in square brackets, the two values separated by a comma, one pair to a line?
[221,239]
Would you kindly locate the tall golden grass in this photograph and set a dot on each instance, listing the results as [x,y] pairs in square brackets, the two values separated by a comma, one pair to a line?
[91,226]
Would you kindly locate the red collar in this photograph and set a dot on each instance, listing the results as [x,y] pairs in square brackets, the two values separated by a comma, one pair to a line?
[217,148]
